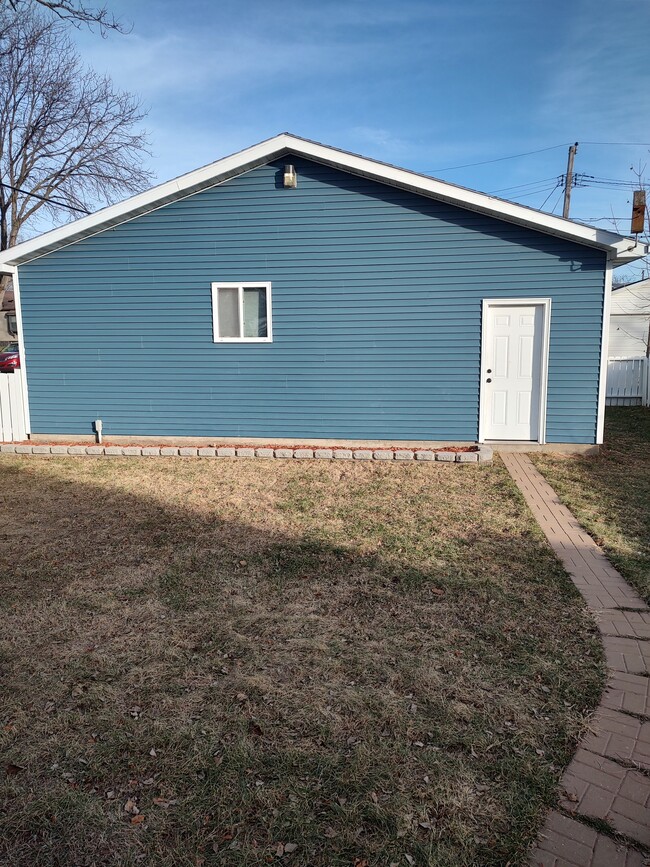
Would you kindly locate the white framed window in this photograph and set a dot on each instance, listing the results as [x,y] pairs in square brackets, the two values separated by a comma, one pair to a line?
[241,312]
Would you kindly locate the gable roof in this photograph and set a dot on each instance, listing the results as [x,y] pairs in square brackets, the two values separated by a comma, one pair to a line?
[618,248]
[644,283]
[633,299]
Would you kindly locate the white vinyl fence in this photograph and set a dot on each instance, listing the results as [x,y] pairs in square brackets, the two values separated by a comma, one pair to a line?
[628,382]
[12,408]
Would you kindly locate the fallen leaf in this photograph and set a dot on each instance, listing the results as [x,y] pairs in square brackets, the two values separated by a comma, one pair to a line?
[13,769]
[153,753]
[241,696]
[437,591]
[289,848]
[279,850]
[131,806]
[137,820]
[410,859]
[161,802]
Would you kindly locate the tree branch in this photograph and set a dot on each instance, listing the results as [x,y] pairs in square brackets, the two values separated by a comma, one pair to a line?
[65,132]
[75,12]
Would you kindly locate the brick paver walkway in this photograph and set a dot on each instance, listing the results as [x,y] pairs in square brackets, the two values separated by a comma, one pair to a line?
[608,779]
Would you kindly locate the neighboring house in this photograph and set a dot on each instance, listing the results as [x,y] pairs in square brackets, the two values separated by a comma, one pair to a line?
[629,322]
[8,326]
[295,291]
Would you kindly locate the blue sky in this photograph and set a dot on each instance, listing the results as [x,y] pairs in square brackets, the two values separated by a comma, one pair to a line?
[425,84]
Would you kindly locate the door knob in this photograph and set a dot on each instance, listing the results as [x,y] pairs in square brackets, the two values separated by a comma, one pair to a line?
[489,371]
[488,379]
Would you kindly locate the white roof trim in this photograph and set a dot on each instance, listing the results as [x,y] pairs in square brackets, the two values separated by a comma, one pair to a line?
[619,249]
[638,283]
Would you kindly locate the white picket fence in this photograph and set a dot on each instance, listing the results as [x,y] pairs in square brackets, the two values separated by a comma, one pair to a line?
[628,382]
[12,408]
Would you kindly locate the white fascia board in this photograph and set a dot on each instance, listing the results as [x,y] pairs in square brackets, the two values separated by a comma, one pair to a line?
[619,249]
[626,249]
[143,203]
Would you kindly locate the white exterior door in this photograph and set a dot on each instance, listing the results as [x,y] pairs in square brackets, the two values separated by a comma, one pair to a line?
[512,368]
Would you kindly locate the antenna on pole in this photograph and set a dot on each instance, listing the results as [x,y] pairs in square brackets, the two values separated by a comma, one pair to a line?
[569,180]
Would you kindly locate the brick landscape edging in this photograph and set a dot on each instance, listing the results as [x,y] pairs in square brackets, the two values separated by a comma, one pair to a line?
[483,454]
[602,815]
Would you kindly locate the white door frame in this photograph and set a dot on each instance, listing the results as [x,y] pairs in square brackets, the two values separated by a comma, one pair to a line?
[488,303]
[604,344]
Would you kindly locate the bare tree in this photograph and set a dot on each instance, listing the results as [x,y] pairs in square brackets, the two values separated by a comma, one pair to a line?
[75,11]
[69,141]
[640,269]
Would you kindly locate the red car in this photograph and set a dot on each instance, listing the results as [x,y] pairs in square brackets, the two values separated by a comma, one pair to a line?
[9,358]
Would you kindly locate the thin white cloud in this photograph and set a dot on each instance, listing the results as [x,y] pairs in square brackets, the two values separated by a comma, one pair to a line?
[595,73]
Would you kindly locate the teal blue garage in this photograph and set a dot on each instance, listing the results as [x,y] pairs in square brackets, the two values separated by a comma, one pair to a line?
[297,292]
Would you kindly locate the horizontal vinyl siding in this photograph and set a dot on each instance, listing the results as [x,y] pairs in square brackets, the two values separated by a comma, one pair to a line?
[376,316]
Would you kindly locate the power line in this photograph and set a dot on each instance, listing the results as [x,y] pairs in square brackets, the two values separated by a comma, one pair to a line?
[56,202]
[539,151]
[610,180]
[601,219]
[500,159]
[585,181]
[521,186]
[557,201]
[536,192]
[541,207]
[643,144]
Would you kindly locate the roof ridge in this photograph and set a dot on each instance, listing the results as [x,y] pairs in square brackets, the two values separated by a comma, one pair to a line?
[619,248]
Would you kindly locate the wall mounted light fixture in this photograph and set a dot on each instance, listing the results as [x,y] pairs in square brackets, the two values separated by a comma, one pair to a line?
[290,178]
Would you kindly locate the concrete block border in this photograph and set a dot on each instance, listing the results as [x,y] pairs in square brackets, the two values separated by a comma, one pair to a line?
[482,455]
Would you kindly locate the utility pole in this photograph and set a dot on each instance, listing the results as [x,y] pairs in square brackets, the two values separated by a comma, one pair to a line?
[568,181]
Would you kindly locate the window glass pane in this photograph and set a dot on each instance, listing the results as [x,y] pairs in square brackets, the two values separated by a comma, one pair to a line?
[255,313]
[228,304]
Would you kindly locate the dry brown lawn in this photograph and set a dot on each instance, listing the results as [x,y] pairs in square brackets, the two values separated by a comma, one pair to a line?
[214,662]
